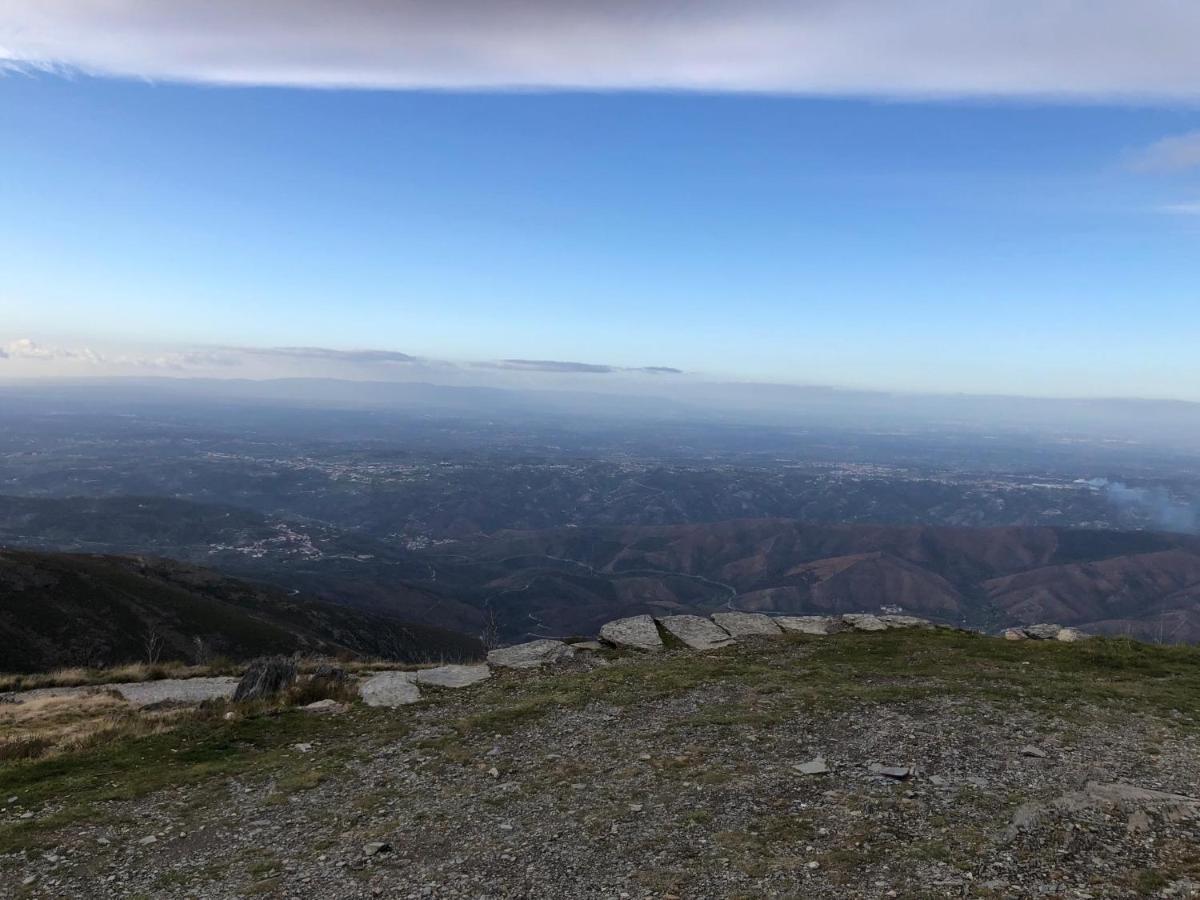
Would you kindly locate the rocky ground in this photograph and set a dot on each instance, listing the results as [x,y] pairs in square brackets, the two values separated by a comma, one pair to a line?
[890,764]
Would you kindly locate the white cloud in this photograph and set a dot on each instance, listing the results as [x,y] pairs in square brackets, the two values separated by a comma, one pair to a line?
[24,348]
[1182,209]
[1024,48]
[1172,154]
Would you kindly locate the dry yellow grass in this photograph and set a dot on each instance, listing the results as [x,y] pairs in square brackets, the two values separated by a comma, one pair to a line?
[48,725]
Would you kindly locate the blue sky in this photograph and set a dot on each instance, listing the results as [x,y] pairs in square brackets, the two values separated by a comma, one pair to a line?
[1000,245]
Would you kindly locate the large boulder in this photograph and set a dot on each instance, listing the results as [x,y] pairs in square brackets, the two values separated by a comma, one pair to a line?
[634,633]
[390,689]
[895,621]
[744,624]
[1070,635]
[696,632]
[819,625]
[531,655]
[865,622]
[266,678]
[1043,632]
[454,676]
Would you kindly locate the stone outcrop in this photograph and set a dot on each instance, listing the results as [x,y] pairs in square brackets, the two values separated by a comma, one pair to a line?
[264,678]
[1044,632]
[454,676]
[818,625]
[744,624]
[865,622]
[532,654]
[633,633]
[390,689]
[696,632]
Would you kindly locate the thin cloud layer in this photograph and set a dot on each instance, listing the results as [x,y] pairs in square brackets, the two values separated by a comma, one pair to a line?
[1173,154]
[292,360]
[1033,48]
[328,355]
[576,368]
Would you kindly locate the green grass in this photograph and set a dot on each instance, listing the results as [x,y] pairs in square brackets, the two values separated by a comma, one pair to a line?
[201,748]
[884,667]
[773,680]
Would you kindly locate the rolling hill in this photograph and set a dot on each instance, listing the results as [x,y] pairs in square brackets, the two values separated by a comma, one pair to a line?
[66,610]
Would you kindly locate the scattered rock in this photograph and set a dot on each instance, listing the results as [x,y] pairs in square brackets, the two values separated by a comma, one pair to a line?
[898,773]
[814,766]
[744,624]
[265,678]
[454,676]
[696,632]
[374,848]
[531,655]
[635,632]
[390,689]
[1042,632]
[325,708]
[1070,635]
[819,625]
[148,840]
[865,622]
[1015,634]
[1138,822]
[1031,750]
[591,646]
[303,748]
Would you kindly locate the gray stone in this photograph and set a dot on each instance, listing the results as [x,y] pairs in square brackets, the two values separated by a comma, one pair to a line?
[390,689]
[176,690]
[865,622]
[454,676]
[894,621]
[325,708]
[635,633]
[696,632]
[531,654]
[899,773]
[374,848]
[1042,632]
[1070,635]
[591,646]
[1015,634]
[820,625]
[744,624]
[1031,750]
[1128,793]
[814,766]
[266,678]
[1138,822]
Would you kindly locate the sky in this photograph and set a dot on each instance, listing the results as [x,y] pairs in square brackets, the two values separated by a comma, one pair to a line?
[974,196]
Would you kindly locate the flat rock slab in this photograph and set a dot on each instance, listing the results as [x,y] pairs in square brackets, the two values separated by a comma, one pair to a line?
[696,632]
[176,690]
[865,622]
[454,676]
[897,773]
[634,633]
[390,689]
[588,645]
[905,622]
[815,766]
[820,625]
[744,624]
[531,655]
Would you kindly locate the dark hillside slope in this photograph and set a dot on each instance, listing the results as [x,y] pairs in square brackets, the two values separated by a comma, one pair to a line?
[66,610]
[570,580]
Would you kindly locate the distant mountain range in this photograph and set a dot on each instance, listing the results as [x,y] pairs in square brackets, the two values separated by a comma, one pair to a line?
[570,580]
[68,610]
